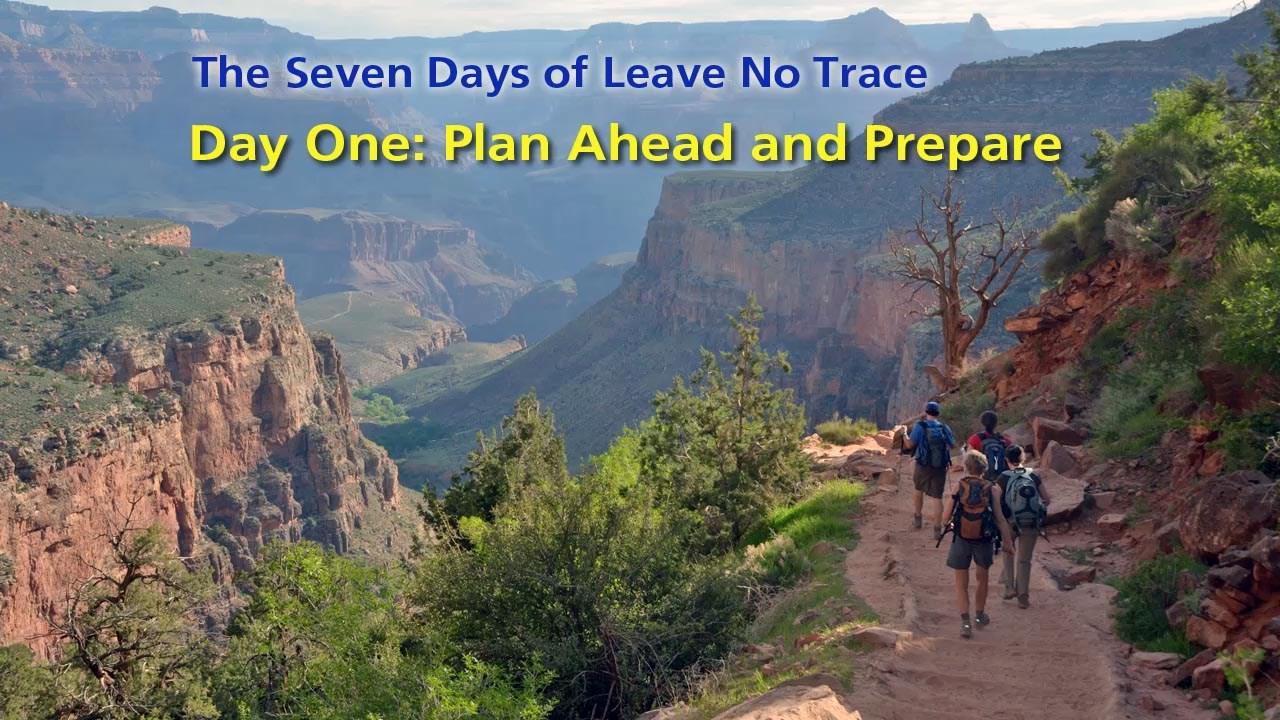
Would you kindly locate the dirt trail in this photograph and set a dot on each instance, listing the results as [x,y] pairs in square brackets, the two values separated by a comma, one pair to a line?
[1054,661]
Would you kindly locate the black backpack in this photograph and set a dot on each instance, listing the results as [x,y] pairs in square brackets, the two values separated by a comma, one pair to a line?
[993,446]
[936,453]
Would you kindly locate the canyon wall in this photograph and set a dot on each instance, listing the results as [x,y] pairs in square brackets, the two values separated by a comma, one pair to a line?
[227,433]
[842,317]
[441,269]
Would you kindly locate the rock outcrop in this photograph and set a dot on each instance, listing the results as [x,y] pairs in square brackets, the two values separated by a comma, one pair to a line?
[196,401]
[1053,333]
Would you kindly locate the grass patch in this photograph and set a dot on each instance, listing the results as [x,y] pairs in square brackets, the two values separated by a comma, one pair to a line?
[1143,596]
[821,603]
[822,516]
[843,431]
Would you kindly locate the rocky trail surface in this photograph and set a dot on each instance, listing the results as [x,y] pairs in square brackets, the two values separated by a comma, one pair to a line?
[1057,659]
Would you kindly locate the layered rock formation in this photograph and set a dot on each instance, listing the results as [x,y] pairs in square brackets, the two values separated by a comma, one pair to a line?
[172,387]
[1054,332]
[441,269]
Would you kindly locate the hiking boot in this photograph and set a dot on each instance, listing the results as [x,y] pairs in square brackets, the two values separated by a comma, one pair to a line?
[1010,594]
[1024,602]
[917,521]
[966,630]
[982,619]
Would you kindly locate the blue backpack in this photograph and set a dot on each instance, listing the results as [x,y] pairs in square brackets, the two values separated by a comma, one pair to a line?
[935,451]
[993,446]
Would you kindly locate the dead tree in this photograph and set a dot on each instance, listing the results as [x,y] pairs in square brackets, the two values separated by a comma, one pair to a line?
[952,257]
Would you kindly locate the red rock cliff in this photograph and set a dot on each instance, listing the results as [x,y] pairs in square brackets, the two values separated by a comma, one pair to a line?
[239,431]
[840,315]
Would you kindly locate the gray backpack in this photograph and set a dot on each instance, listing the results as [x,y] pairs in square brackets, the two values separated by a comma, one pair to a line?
[1022,498]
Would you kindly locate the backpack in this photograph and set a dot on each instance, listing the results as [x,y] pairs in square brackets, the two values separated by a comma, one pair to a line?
[1022,497]
[935,451]
[975,518]
[993,446]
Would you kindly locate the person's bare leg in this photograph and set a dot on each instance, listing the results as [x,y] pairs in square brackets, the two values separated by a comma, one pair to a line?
[980,593]
[962,602]
[918,499]
[937,511]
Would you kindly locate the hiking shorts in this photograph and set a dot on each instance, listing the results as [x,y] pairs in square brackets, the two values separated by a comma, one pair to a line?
[964,553]
[931,481]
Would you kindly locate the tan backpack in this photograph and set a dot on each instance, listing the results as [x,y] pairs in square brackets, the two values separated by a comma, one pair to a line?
[975,515]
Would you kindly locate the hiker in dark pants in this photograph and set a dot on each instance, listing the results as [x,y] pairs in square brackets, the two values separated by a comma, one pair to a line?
[1028,490]
[932,441]
[976,524]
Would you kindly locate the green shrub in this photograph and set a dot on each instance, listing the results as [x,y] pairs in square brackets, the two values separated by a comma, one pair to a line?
[1126,418]
[1142,598]
[843,431]
[1248,441]
[778,562]
[1248,293]
[382,410]
[596,579]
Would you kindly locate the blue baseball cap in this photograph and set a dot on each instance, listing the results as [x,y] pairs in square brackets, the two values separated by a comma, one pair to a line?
[932,408]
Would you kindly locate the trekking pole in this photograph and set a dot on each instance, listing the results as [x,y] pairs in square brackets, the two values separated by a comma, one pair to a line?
[950,528]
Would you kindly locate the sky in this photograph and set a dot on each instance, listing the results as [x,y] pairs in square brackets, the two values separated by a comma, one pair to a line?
[389,18]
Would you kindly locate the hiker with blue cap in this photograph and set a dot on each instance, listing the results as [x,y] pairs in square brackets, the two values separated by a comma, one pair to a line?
[932,441]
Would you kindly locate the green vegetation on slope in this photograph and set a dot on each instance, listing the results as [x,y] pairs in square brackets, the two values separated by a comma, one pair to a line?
[1203,166]
[627,579]
[1143,596]
[843,431]
[378,337]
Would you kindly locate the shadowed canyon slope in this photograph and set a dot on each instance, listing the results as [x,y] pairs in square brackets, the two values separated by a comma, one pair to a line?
[164,385]
[809,244]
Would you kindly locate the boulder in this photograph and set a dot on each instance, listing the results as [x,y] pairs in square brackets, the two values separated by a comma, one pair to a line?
[1103,500]
[1157,660]
[1209,677]
[1206,633]
[1176,614]
[1067,494]
[1045,406]
[1218,611]
[1045,430]
[818,697]
[1080,575]
[1182,674]
[1226,512]
[1239,389]
[1212,464]
[1111,526]
[1020,435]
[1061,460]
[1235,576]
[876,636]
[1265,553]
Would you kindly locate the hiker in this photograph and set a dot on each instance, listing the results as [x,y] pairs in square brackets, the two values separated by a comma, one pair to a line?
[1026,503]
[932,441]
[976,527]
[992,445]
